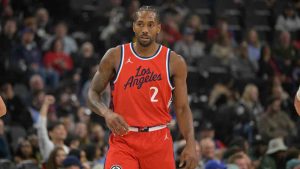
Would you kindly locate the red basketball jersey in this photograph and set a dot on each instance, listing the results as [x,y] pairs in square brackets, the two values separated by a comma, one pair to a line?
[142,90]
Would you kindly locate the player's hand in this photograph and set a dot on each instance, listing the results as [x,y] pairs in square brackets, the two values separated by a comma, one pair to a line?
[188,157]
[116,123]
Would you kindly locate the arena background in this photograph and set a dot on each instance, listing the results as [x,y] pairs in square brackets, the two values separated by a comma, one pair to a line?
[243,60]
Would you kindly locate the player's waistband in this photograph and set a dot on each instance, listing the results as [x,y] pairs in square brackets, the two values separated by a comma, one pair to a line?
[147,129]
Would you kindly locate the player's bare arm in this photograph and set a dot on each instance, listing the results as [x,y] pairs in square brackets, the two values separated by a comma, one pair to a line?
[2,107]
[297,102]
[178,70]
[99,82]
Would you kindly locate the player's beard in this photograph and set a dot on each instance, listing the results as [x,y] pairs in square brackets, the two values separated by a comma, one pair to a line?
[145,43]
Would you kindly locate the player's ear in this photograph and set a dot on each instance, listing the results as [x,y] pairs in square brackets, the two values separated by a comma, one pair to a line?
[133,26]
[158,28]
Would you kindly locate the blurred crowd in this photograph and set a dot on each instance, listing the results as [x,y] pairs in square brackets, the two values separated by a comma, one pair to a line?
[243,74]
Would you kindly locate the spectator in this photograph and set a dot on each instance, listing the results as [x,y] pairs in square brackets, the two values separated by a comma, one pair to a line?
[254,46]
[194,21]
[221,29]
[56,59]
[56,158]
[214,164]
[36,83]
[208,148]
[288,20]
[36,104]
[293,164]
[286,55]
[83,115]
[8,41]
[17,112]
[250,100]
[61,33]
[170,28]
[71,162]
[189,48]
[97,135]
[222,48]
[68,103]
[73,142]
[27,57]
[276,123]
[57,131]
[31,23]
[275,155]
[24,152]
[4,146]
[43,23]
[240,161]
[207,130]
[242,67]
[86,60]
[81,130]
[267,65]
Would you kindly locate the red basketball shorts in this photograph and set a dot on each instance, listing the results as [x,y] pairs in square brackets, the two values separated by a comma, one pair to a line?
[141,150]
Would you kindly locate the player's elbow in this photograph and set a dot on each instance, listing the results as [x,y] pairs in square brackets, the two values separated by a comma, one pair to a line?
[2,111]
[182,110]
[297,105]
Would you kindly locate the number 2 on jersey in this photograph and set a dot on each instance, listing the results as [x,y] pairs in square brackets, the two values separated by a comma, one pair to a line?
[155,91]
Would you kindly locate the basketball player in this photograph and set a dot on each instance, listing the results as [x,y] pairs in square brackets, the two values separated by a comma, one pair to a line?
[2,107]
[297,102]
[143,77]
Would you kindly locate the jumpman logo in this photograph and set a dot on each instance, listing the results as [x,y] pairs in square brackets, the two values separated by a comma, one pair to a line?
[166,137]
[129,61]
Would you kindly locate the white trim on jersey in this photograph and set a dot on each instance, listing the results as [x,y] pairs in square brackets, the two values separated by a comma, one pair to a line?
[121,63]
[167,69]
[146,58]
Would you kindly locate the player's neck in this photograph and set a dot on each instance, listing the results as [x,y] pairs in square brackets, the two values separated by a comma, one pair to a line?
[146,51]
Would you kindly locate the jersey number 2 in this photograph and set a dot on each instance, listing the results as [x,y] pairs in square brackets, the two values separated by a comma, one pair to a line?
[153,99]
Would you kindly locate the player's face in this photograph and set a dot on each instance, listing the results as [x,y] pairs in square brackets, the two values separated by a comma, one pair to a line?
[146,28]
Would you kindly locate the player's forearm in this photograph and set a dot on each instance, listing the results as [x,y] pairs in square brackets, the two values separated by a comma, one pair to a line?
[95,104]
[185,122]
[2,107]
[297,102]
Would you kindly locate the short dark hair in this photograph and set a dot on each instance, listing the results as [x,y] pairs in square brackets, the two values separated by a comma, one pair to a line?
[53,125]
[147,8]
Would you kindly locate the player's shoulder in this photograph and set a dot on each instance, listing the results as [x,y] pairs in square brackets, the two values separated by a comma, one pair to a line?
[114,51]
[176,58]
[177,64]
[112,55]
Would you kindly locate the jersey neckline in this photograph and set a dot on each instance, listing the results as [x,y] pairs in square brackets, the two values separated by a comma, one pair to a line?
[145,58]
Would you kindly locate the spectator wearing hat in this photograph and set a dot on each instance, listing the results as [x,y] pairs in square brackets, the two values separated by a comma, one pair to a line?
[215,164]
[72,162]
[207,130]
[275,155]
